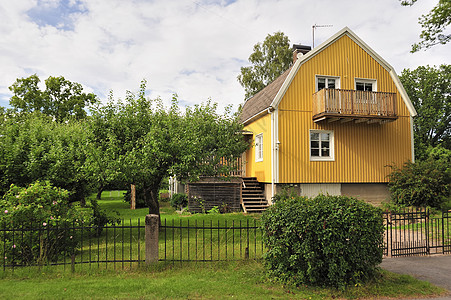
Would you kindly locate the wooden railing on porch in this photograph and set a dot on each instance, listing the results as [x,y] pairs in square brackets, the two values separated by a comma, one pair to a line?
[350,103]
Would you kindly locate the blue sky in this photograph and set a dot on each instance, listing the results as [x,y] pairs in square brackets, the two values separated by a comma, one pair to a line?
[192,48]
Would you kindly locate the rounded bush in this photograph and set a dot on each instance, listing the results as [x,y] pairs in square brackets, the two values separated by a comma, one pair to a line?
[179,200]
[40,215]
[328,240]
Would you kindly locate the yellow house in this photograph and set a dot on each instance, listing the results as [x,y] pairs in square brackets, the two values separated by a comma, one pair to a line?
[331,123]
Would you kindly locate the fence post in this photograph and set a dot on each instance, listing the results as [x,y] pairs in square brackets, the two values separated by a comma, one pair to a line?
[151,236]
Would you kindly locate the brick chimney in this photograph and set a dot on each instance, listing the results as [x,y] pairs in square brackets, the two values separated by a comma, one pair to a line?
[300,49]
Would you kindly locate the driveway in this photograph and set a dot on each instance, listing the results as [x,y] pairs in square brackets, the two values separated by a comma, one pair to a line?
[435,269]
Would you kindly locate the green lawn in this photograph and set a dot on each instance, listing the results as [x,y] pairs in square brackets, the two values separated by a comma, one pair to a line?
[221,280]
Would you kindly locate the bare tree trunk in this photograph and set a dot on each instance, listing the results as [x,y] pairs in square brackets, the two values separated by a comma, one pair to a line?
[99,191]
[151,198]
[133,197]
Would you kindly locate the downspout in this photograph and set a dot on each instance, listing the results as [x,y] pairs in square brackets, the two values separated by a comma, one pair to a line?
[412,143]
[274,150]
[273,145]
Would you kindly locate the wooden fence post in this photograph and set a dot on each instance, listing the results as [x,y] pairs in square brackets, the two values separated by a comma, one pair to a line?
[152,227]
[133,196]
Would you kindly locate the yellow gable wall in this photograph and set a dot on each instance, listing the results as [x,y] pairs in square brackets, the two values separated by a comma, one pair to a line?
[362,151]
[261,169]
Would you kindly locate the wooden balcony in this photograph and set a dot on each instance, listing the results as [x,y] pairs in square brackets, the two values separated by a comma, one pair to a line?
[349,105]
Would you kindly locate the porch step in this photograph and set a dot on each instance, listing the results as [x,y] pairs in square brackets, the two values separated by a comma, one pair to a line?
[253,197]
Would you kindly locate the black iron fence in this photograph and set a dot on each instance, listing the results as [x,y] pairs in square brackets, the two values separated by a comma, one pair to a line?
[417,232]
[124,245]
[70,245]
[410,232]
[210,241]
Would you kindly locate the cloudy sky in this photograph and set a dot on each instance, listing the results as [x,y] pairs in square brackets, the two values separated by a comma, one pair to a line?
[194,48]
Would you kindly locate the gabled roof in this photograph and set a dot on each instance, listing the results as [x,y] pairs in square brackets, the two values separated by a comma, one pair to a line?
[271,95]
[261,101]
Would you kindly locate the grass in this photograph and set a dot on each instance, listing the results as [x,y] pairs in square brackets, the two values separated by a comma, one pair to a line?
[112,201]
[240,280]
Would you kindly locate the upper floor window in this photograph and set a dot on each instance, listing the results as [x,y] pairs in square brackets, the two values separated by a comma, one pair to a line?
[368,85]
[327,82]
[321,145]
[259,147]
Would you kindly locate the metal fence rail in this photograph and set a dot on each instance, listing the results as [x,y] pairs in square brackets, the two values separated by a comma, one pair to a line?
[70,245]
[210,241]
[417,232]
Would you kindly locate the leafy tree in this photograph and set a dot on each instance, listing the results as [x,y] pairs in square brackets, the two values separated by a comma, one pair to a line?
[429,88]
[425,182]
[61,98]
[148,142]
[269,60]
[33,147]
[433,24]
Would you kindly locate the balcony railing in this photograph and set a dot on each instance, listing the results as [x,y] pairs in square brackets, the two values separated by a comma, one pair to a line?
[336,104]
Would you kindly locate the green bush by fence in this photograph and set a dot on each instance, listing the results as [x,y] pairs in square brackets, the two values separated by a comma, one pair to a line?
[39,206]
[327,240]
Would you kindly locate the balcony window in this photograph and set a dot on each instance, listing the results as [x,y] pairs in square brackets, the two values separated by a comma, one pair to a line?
[327,82]
[368,85]
[321,145]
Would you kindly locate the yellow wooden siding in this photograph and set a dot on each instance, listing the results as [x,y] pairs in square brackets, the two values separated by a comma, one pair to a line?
[261,169]
[362,151]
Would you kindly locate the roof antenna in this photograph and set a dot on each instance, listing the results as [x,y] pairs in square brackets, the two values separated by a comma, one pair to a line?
[313,31]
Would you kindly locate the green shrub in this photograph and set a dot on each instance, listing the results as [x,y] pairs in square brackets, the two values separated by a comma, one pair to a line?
[46,211]
[328,241]
[423,183]
[179,200]
[100,217]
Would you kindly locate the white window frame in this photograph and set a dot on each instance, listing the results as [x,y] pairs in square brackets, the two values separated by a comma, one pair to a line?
[259,147]
[337,81]
[331,156]
[366,80]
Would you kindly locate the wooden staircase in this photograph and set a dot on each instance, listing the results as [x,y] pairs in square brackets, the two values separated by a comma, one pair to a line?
[252,196]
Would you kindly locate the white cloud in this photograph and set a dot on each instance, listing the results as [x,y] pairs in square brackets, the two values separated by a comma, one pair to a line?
[192,48]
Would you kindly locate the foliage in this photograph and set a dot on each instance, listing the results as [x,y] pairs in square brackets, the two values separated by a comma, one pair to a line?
[179,201]
[33,147]
[101,217]
[269,60]
[147,142]
[423,183]
[328,240]
[214,210]
[38,206]
[61,99]
[434,24]
[429,88]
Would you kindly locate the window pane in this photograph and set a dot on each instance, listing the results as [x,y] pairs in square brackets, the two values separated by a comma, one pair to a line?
[324,137]
[314,144]
[321,83]
[331,83]
[368,86]
[314,136]
[360,86]
[314,152]
[325,152]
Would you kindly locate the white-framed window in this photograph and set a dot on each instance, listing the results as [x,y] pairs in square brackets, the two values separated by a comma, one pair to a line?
[259,147]
[365,85]
[321,145]
[368,85]
[329,82]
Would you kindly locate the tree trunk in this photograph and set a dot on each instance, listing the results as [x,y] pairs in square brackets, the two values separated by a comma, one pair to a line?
[151,198]
[99,192]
